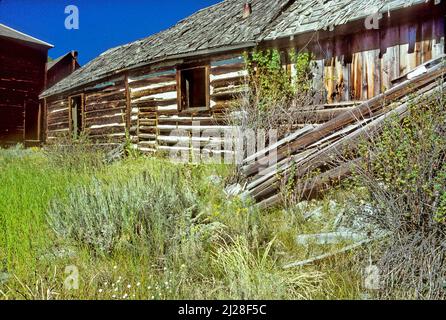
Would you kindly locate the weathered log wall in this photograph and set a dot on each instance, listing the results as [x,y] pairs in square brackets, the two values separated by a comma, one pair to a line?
[57,117]
[153,94]
[105,112]
[159,124]
[360,66]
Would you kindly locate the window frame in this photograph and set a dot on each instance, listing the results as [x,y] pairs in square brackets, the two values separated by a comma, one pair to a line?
[180,91]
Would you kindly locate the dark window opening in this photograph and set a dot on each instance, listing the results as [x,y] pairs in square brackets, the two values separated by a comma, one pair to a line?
[194,88]
[76,116]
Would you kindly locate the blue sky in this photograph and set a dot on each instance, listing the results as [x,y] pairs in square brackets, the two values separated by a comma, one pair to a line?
[103,23]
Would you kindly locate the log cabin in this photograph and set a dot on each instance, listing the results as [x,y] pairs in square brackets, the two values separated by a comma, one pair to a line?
[150,89]
[22,78]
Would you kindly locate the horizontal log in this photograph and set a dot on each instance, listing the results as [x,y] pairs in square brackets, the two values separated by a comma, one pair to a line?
[150,91]
[106,111]
[101,97]
[119,118]
[58,126]
[313,188]
[153,80]
[152,103]
[101,131]
[236,80]
[228,68]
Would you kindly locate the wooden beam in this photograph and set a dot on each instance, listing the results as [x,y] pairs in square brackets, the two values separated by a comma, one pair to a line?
[128,105]
[39,121]
[268,190]
[366,109]
[24,120]
[179,93]
[45,121]
[83,111]
[208,86]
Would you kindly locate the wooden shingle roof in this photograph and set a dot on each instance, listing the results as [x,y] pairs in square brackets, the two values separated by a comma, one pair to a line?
[222,27]
[219,26]
[310,15]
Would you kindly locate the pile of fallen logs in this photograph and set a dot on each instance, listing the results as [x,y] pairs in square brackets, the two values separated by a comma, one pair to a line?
[330,149]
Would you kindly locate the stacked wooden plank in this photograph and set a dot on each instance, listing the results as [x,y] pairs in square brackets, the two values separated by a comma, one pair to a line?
[330,149]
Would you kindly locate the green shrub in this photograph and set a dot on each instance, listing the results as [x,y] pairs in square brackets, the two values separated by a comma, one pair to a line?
[408,161]
[104,214]
[270,83]
[274,95]
[404,172]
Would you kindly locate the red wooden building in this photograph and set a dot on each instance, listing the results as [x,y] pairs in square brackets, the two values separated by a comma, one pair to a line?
[22,78]
[61,67]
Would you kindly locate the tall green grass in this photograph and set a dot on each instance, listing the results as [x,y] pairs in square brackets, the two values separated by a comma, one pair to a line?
[145,228]
[27,185]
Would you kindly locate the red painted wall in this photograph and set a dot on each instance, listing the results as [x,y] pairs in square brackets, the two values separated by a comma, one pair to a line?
[22,79]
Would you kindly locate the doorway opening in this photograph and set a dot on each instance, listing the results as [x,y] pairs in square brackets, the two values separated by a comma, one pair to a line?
[76,113]
[32,122]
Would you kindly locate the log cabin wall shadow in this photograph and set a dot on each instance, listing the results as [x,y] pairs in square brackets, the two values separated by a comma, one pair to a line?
[144,99]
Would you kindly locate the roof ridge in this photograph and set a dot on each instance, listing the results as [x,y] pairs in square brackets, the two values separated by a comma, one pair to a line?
[163,30]
[26,35]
